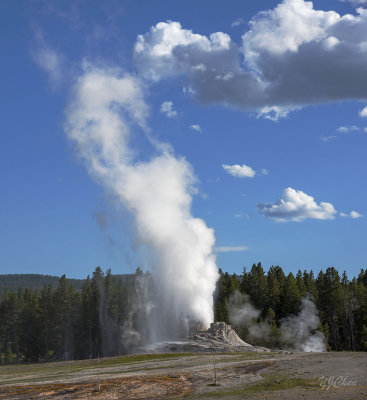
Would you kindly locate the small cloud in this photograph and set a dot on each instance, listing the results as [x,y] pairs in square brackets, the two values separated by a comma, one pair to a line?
[365,129]
[295,205]
[188,90]
[326,139]
[264,171]
[242,215]
[363,112]
[213,180]
[355,215]
[229,249]
[199,67]
[352,214]
[167,109]
[274,113]
[237,22]
[47,58]
[239,171]
[347,129]
[195,128]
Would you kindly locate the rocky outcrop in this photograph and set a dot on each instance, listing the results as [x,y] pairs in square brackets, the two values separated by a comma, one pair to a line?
[220,337]
[219,334]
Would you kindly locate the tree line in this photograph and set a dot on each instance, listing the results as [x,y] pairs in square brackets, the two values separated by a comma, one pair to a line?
[65,323]
[341,303]
[12,282]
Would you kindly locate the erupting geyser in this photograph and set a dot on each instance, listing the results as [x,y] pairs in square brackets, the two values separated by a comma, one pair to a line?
[104,106]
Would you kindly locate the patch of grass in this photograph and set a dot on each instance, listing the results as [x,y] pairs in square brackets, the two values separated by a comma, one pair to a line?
[38,372]
[113,361]
[270,383]
[281,382]
[72,366]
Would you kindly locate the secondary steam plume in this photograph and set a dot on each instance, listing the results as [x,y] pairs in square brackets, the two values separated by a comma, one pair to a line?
[297,332]
[104,106]
[297,329]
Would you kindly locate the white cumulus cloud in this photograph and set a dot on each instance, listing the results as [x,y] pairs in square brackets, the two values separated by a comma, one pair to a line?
[363,112]
[293,55]
[167,109]
[352,214]
[157,50]
[295,205]
[239,171]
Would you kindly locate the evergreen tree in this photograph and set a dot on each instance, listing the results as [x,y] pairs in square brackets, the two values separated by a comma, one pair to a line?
[290,296]
[302,289]
[30,326]
[330,300]
[274,288]
[310,283]
[362,277]
[254,283]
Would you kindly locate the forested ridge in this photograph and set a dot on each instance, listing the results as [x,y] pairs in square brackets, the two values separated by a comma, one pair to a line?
[100,317]
[11,282]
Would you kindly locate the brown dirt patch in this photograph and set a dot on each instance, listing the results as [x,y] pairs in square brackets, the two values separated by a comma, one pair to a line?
[149,387]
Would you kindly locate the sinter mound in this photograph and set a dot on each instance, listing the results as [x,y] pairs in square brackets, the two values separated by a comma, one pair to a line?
[220,337]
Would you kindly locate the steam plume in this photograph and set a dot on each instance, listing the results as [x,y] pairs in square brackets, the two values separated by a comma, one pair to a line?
[297,332]
[297,329]
[104,106]
[243,314]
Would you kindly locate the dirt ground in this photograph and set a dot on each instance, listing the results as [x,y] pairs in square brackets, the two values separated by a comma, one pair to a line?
[275,375]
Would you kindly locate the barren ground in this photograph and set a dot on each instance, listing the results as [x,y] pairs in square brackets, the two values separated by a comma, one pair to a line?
[272,375]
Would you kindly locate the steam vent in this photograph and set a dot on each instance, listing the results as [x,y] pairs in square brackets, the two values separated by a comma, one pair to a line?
[220,337]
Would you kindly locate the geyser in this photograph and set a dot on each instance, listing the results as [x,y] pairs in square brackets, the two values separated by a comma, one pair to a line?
[104,106]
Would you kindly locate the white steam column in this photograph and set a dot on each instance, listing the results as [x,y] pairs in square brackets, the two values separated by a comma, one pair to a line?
[105,103]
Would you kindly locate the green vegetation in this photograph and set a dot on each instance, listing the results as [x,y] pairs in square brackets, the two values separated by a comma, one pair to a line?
[87,364]
[71,322]
[12,282]
[342,303]
[273,382]
[65,323]
[269,383]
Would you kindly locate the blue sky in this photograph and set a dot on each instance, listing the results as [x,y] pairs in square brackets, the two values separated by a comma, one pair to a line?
[214,100]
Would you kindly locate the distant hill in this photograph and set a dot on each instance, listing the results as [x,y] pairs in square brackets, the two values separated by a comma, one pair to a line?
[12,282]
